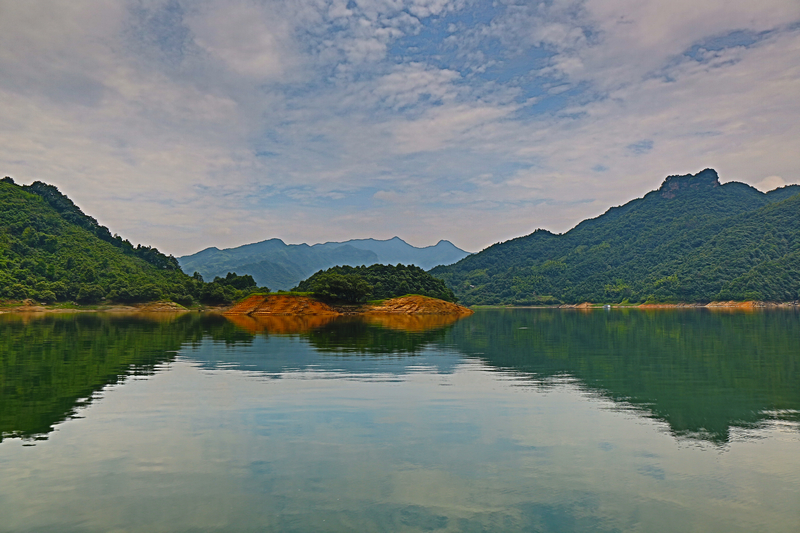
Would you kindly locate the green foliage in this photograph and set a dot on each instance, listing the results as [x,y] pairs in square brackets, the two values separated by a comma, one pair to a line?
[338,287]
[693,240]
[376,282]
[230,288]
[73,214]
[51,252]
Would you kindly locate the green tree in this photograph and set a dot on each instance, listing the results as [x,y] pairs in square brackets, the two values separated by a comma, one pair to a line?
[337,287]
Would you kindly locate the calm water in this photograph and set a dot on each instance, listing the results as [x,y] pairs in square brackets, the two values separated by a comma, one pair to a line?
[523,420]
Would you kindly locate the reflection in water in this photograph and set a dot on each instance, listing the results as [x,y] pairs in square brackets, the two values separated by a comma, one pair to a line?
[283,325]
[356,335]
[52,364]
[502,421]
[280,324]
[701,372]
[417,323]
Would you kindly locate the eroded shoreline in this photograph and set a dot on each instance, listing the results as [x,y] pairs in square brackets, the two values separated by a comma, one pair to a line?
[404,305]
[293,305]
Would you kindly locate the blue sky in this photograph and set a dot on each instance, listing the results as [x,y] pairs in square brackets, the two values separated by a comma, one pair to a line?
[188,124]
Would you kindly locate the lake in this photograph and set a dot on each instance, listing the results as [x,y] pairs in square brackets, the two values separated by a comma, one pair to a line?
[507,420]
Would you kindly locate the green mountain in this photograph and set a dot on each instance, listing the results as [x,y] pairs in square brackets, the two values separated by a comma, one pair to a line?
[375,282]
[51,251]
[692,240]
[282,266]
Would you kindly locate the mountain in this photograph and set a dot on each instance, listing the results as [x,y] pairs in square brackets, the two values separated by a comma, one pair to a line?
[396,250]
[692,240]
[51,251]
[282,266]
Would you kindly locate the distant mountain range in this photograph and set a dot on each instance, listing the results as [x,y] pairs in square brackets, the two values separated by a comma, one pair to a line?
[692,240]
[281,266]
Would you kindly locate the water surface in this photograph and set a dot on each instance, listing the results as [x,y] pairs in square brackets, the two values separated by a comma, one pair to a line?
[508,420]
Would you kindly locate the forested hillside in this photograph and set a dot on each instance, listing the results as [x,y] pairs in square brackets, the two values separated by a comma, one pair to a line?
[692,240]
[376,282]
[51,251]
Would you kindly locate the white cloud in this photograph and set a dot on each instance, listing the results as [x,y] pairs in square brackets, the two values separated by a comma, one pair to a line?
[614,42]
[769,183]
[191,124]
[443,126]
[407,84]
[250,40]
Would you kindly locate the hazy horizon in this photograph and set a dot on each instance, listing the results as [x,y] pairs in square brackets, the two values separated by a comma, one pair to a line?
[328,242]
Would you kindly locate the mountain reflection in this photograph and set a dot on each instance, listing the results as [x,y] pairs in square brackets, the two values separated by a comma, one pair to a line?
[700,372]
[342,346]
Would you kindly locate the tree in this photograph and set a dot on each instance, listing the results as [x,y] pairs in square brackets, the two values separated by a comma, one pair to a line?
[337,287]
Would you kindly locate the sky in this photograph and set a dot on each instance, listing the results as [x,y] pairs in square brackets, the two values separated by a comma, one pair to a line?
[188,124]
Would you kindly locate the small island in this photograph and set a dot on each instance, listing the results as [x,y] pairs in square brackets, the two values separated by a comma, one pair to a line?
[302,305]
[344,290]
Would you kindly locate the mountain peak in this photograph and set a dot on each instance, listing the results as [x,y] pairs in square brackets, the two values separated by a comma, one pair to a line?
[705,179]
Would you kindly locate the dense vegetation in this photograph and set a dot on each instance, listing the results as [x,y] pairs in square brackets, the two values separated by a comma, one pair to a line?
[693,240]
[50,251]
[376,282]
[72,214]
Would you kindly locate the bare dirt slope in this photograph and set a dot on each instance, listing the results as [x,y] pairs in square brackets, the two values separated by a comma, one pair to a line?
[280,305]
[292,305]
[418,305]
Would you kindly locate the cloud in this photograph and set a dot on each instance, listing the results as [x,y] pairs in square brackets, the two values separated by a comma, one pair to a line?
[447,125]
[191,124]
[387,196]
[250,40]
[769,183]
[406,85]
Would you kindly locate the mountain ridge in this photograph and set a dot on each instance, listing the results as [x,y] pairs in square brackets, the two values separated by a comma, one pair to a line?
[282,266]
[693,239]
[50,251]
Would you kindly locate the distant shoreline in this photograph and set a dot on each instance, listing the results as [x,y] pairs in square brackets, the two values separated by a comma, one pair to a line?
[747,305]
[148,307]
[273,304]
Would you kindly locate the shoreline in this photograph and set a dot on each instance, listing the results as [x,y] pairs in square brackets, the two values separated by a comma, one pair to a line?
[296,305]
[172,307]
[148,307]
[747,305]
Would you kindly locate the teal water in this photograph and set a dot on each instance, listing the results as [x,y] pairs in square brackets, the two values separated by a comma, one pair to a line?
[508,420]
